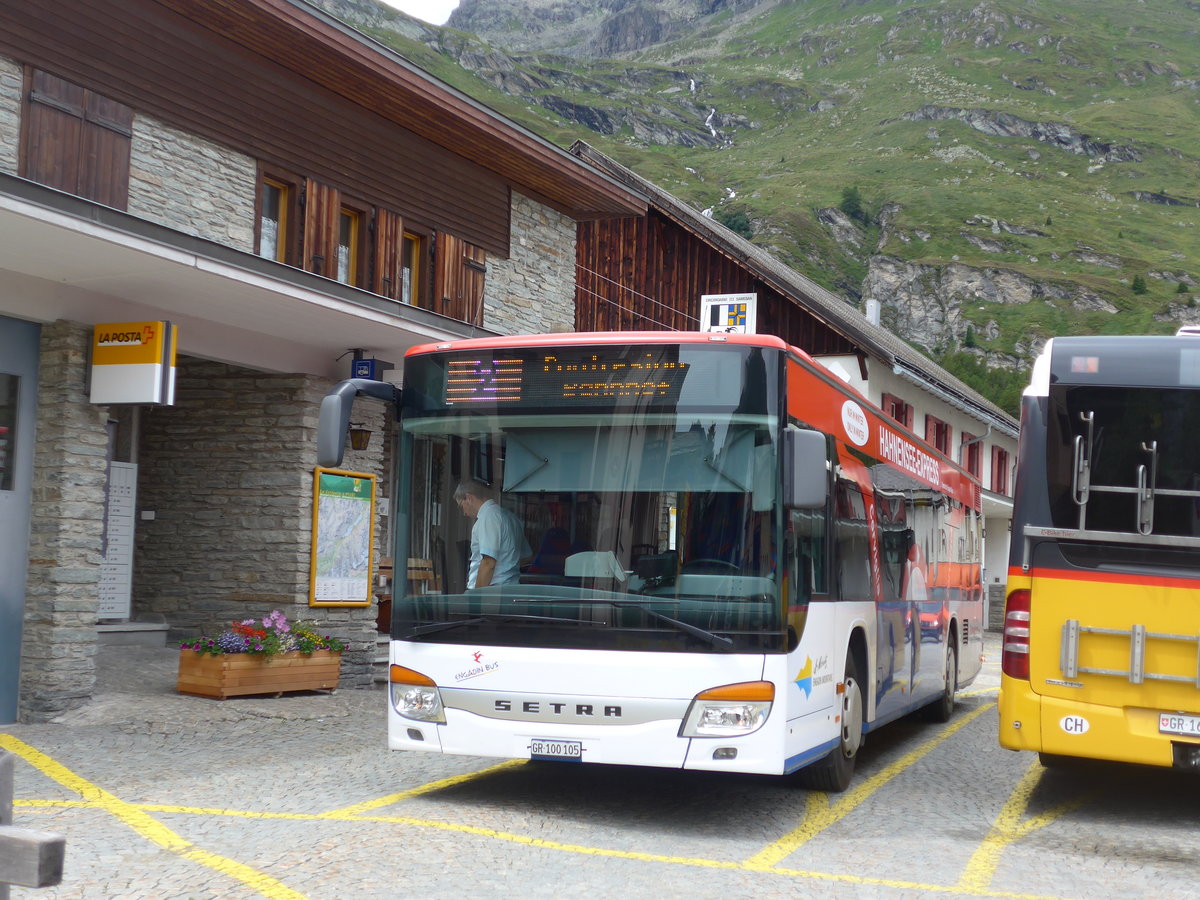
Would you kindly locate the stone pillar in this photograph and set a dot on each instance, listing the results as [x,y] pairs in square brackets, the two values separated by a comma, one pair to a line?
[10,115]
[192,185]
[533,291]
[66,531]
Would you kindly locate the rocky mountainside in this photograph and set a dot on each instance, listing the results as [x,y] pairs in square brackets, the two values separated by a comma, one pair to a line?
[994,172]
[585,28]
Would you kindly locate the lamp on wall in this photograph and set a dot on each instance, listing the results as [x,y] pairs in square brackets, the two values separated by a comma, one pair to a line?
[360,436]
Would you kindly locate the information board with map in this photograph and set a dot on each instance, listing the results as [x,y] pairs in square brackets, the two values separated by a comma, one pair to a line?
[343,535]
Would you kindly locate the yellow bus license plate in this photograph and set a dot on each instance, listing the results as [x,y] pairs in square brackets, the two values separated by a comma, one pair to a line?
[1174,723]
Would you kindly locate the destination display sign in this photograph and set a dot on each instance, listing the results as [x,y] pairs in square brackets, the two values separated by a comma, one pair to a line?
[572,376]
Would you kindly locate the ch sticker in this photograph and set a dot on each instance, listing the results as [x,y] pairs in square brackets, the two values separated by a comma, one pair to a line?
[1074,724]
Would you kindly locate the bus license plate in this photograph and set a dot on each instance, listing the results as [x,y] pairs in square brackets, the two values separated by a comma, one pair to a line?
[1173,723]
[539,748]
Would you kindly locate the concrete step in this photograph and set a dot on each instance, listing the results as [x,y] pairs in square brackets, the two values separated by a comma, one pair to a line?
[381,658]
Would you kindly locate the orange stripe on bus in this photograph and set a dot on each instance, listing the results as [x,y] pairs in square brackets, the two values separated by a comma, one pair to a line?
[1109,578]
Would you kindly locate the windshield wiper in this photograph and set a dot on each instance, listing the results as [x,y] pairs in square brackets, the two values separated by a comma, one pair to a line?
[434,627]
[714,640]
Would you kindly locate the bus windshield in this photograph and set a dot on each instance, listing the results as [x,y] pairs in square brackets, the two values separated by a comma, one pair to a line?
[636,525]
[1119,459]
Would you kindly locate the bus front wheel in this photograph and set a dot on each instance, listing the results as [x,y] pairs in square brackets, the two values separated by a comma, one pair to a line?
[943,708]
[833,773]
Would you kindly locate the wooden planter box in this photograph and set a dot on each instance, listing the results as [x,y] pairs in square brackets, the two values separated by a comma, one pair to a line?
[239,674]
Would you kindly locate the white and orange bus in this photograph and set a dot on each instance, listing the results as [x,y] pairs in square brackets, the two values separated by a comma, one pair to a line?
[740,564]
[1102,621]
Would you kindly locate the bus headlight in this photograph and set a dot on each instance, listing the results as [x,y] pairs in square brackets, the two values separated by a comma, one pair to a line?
[415,696]
[728,711]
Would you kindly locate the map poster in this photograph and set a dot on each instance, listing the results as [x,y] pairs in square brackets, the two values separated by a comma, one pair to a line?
[343,532]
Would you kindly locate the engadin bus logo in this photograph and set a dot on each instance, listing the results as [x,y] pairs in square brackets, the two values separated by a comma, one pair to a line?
[804,679]
[480,668]
[854,421]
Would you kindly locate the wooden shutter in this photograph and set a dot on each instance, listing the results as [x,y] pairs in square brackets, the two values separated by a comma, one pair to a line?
[386,275]
[78,141]
[459,278]
[322,207]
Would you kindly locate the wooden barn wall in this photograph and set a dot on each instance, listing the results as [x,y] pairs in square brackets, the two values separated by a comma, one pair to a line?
[167,66]
[648,274]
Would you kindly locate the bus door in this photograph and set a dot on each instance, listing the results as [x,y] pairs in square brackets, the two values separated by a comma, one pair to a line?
[862,576]
[903,591]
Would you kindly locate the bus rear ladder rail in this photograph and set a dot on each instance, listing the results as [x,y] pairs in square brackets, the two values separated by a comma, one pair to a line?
[1144,489]
[1138,636]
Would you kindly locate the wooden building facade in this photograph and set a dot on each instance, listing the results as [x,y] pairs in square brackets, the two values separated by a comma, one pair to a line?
[648,273]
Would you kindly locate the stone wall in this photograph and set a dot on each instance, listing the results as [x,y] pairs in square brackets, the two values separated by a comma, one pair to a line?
[228,474]
[533,291]
[10,114]
[66,530]
[192,185]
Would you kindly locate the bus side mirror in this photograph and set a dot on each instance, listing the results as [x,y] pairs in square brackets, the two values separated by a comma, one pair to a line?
[334,422]
[805,469]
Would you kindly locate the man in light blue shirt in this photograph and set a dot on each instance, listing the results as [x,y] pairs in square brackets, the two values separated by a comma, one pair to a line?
[498,541]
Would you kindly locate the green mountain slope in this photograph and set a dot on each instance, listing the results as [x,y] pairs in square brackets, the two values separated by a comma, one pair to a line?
[1023,168]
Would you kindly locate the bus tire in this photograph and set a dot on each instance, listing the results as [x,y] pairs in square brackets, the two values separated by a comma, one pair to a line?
[835,770]
[943,708]
[1054,761]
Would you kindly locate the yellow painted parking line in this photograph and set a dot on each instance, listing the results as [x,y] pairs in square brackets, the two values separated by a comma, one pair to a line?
[817,817]
[145,825]
[611,853]
[369,805]
[1008,828]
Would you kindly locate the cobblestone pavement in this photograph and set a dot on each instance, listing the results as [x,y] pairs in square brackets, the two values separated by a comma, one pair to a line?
[166,796]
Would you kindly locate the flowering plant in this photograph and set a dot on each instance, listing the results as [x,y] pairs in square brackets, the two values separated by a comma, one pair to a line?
[266,637]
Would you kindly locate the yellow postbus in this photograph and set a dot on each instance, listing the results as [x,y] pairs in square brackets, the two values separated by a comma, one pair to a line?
[1101,652]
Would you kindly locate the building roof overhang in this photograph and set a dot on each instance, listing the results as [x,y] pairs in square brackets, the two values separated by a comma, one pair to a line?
[66,258]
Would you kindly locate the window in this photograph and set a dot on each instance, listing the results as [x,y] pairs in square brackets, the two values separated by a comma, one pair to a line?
[972,454]
[410,268]
[1000,470]
[399,261]
[937,433]
[897,409]
[852,545]
[77,141]
[348,255]
[315,226]
[275,240]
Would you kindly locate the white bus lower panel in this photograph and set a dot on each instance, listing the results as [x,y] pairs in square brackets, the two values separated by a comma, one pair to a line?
[654,743]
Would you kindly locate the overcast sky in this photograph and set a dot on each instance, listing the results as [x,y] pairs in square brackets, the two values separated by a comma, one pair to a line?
[435,12]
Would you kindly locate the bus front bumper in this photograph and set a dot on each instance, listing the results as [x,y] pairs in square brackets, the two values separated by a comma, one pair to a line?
[655,744]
